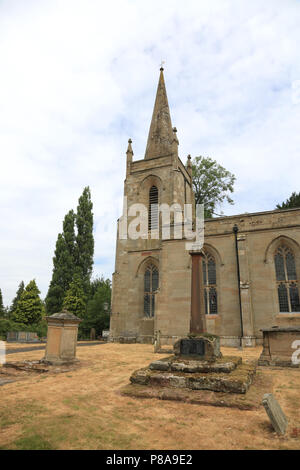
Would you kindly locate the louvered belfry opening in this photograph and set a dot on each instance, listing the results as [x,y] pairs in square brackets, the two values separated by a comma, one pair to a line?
[210,284]
[153,209]
[150,288]
[287,282]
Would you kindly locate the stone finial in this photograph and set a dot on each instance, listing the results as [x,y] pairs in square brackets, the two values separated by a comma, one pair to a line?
[129,154]
[129,148]
[189,166]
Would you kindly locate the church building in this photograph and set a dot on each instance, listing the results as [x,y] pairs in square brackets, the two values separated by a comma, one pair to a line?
[251,263]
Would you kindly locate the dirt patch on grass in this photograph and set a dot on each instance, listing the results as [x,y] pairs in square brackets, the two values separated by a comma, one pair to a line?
[84,409]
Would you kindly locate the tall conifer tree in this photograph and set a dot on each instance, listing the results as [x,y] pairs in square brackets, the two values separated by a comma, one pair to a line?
[85,238]
[17,297]
[63,265]
[2,309]
[73,253]
[75,300]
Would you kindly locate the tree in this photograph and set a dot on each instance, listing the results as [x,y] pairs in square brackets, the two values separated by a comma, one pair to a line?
[84,239]
[75,300]
[63,265]
[98,315]
[30,307]
[17,298]
[291,202]
[212,184]
[73,253]
[2,309]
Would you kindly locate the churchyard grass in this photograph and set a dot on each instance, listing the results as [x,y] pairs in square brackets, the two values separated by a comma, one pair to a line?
[84,409]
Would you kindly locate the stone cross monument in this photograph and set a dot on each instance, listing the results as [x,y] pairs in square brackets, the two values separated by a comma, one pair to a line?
[198,320]
[198,343]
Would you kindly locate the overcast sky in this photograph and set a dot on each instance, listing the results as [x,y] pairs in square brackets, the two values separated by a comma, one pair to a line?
[78,78]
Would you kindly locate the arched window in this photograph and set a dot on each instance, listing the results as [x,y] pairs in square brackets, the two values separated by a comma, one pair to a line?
[153,208]
[210,284]
[150,288]
[287,282]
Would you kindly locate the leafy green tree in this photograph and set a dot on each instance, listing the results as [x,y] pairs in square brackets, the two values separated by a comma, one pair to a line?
[30,308]
[75,300]
[63,265]
[2,309]
[17,298]
[84,239]
[212,184]
[291,202]
[98,308]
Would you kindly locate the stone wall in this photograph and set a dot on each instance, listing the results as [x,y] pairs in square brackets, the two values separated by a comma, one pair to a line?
[259,235]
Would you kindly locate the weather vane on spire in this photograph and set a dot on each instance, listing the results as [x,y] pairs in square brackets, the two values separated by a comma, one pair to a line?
[161,64]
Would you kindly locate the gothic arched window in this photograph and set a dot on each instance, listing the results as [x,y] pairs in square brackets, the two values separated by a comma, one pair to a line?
[150,288]
[153,209]
[286,277]
[210,284]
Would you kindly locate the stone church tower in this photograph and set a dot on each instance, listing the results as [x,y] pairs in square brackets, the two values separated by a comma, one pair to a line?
[251,266]
[144,284]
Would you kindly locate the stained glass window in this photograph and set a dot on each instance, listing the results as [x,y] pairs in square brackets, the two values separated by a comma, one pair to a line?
[151,278]
[210,284]
[288,293]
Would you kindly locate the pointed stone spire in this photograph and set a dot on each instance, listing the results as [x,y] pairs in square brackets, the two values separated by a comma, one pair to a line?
[161,135]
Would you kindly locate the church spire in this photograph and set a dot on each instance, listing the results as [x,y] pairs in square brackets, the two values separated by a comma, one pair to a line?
[161,135]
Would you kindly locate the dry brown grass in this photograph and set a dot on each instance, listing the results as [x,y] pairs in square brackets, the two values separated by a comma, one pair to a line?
[83,409]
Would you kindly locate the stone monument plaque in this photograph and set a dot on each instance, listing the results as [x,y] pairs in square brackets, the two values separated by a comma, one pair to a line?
[191,347]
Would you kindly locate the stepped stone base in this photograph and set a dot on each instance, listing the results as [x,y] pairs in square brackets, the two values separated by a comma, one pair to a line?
[182,364]
[243,401]
[197,364]
[228,375]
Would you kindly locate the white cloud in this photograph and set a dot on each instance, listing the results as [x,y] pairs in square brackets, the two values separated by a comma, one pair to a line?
[77,78]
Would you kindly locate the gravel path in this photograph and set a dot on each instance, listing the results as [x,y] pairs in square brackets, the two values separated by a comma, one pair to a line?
[40,348]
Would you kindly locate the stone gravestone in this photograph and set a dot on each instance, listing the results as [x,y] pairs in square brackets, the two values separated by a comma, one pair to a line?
[61,338]
[275,413]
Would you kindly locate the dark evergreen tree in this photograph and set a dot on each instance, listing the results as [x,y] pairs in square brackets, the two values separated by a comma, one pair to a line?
[30,307]
[84,239]
[73,254]
[17,298]
[2,309]
[63,265]
[69,234]
[291,202]
[75,300]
